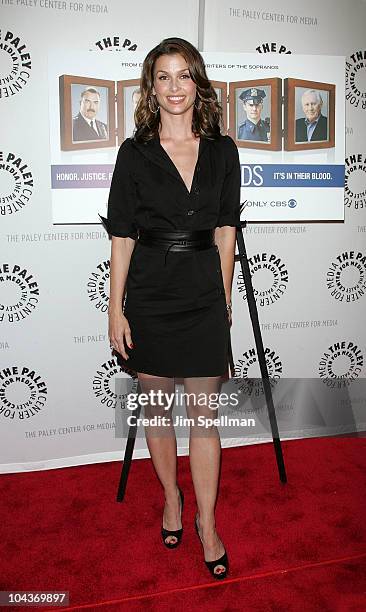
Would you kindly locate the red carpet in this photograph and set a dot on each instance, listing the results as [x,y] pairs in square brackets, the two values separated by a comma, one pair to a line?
[299,546]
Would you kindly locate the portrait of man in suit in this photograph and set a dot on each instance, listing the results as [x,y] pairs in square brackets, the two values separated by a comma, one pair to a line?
[313,127]
[136,95]
[131,97]
[86,126]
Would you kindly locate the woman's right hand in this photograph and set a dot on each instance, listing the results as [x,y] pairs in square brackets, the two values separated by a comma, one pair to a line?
[119,332]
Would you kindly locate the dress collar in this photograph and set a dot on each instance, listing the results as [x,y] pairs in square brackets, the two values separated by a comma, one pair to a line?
[155,153]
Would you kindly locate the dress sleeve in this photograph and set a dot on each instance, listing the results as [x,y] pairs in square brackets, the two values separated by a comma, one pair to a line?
[230,195]
[122,197]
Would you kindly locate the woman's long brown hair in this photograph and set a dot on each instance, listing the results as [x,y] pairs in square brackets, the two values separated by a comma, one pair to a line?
[207,111]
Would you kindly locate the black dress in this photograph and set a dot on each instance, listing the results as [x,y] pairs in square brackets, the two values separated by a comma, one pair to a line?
[175,301]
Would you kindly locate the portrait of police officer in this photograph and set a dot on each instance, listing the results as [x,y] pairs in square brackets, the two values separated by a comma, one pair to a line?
[254,127]
[85,125]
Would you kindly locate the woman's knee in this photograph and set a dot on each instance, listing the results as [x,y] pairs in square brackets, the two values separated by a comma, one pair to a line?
[156,393]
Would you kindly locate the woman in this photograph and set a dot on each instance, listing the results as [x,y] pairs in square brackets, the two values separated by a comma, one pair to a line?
[172,212]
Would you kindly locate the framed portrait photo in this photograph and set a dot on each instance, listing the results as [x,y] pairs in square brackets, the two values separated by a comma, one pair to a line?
[128,95]
[220,88]
[255,113]
[309,115]
[87,119]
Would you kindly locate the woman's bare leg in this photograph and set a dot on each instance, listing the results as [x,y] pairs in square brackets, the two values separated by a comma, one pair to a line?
[162,445]
[205,454]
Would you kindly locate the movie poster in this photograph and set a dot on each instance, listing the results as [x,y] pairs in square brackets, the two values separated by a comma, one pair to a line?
[285,114]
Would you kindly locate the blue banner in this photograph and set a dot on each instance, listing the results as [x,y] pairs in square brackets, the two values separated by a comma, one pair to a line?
[292,175]
[81,176]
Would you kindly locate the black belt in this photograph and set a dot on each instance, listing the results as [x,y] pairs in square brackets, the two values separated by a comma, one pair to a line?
[177,240]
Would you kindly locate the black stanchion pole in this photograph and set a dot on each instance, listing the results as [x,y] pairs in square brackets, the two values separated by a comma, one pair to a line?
[260,350]
[127,460]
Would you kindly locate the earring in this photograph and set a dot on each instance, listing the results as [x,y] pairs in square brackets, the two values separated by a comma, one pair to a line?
[199,105]
[151,110]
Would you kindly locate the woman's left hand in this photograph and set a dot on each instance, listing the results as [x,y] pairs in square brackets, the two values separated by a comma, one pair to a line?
[229,312]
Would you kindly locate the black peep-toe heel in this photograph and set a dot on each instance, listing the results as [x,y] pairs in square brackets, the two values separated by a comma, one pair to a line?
[211,565]
[165,533]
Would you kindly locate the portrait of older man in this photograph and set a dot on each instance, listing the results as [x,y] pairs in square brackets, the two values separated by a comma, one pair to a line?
[85,125]
[314,126]
[254,128]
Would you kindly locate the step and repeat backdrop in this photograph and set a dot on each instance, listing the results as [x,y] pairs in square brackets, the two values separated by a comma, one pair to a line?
[62,393]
